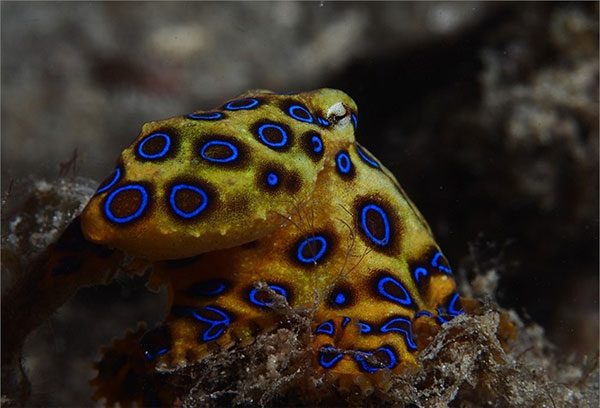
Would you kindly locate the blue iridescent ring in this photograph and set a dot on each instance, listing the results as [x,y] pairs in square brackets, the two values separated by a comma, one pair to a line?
[405,300]
[216,327]
[140,210]
[233,151]
[403,326]
[452,306]
[354,120]
[323,121]
[419,273]
[263,137]
[340,298]
[272,179]
[369,368]
[383,241]
[364,327]
[112,182]
[365,157]
[317,143]
[265,304]
[343,162]
[205,116]
[300,113]
[333,359]
[322,242]
[242,104]
[325,328]
[187,214]
[159,155]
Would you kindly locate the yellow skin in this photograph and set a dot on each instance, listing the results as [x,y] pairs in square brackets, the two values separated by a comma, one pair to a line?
[300,217]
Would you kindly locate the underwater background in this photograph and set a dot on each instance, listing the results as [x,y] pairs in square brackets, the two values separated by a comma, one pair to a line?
[487,113]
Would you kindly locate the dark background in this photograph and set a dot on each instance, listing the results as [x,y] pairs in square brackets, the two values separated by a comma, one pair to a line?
[486,112]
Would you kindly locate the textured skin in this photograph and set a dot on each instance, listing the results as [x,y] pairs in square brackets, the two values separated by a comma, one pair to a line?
[338,234]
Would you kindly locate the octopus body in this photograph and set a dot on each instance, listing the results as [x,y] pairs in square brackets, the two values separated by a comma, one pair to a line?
[270,198]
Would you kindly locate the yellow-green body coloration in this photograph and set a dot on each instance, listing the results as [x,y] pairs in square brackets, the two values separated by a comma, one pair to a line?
[269,198]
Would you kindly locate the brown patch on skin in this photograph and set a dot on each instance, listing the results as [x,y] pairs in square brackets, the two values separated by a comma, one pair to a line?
[289,180]
[272,135]
[375,224]
[423,262]
[239,205]
[156,145]
[293,182]
[250,245]
[308,145]
[216,151]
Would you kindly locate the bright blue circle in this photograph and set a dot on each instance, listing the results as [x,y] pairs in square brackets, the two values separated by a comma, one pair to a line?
[423,313]
[364,328]
[234,153]
[217,327]
[452,310]
[435,264]
[247,103]
[420,272]
[325,328]
[292,111]
[111,183]
[186,214]
[345,321]
[317,144]
[325,363]
[354,120]
[406,301]
[340,298]
[403,326]
[272,179]
[158,155]
[205,116]
[363,155]
[369,368]
[136,214]
[284,136]
[386,224]
[318,255]
[342,160]
[276,288]
[323,121]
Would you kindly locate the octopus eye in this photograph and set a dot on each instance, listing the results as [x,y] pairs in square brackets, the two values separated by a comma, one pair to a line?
[339,114]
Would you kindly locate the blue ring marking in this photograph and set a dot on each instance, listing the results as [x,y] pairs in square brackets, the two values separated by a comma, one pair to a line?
[207,288]
[276,288]
[325,328]
[205,116]
[340,298]
[440,318]
[405,330]
[406,301]
[332,361]
[365,157]
[365,366]
[323,121]
[111,183]
[249,104]
[343,162]
[217,327]
[354,120]
[284,135]
[186,214]
[423,313]
[162,153]
[314,258]
[317,144]
[365,327]
[345,321]
[136,214]
[272,179]
[292,109]
[434,263]
[233,156]
[452,310]
[386,224]
[420,272]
